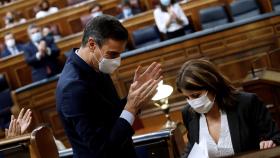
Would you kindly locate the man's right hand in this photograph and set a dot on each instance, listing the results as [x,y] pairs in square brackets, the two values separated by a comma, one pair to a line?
[138,96]
[42,48]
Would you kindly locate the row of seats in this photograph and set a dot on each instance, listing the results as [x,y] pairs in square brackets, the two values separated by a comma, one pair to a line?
[209,18]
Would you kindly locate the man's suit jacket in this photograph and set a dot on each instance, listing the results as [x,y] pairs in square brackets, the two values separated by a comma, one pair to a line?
[89,108]
[40,66]
[6,52]
[249,123]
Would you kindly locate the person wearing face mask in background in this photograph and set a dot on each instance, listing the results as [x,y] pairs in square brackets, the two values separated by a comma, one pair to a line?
[11,19]
[11,46]
[96,10]
[228,121]
[45,9]
[127,10]
[170,19]
[41,55]
[97,122]
[49,34]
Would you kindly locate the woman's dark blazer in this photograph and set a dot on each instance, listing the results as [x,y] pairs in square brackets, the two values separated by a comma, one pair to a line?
[249,123]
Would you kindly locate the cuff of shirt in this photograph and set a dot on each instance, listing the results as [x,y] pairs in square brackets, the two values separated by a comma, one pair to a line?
[49,52]
[129,117]
[38,55]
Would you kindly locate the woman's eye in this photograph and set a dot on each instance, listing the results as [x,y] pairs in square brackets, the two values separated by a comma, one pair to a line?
[195,95]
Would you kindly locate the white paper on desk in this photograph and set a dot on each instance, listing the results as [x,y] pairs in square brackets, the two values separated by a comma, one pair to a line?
[199,150]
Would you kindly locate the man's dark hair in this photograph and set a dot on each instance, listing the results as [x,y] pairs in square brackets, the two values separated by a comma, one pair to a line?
[104,27]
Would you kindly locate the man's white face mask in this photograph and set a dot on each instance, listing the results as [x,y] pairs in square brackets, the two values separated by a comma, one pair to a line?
[202,104]
[10,43]
[108,66]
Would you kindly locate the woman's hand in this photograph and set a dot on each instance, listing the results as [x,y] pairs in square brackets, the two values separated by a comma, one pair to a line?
[14,128]
[24,119]
[267,144]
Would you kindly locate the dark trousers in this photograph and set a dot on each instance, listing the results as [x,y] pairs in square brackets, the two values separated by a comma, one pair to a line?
[176,33]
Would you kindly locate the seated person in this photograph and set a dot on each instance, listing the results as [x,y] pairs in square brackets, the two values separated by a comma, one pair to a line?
[170,19]
[50,35]
[96,10]
[19,126]
[11,47]
[41,55]
[127,10]
[45,9]
[220,118]
[12,19]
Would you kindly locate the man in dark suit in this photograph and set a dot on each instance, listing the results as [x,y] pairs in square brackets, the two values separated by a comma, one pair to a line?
[127,10]
[41,55]
[97,122]
[11,47]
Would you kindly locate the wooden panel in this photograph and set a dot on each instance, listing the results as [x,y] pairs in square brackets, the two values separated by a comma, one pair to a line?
[16,70]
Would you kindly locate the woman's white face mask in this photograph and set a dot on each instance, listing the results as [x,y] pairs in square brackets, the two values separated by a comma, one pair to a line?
[202,104]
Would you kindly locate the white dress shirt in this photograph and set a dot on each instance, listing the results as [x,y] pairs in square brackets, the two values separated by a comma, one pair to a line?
[224,146]
[43,13]
[13,50]
[162,18]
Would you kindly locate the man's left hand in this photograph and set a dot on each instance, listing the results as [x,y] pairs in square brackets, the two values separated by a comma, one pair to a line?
[152,72]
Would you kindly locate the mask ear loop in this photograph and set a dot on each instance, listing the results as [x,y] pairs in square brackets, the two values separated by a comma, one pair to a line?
[96,46]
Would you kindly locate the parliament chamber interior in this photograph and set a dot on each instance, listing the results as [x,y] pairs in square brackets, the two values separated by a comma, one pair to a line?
[241,37]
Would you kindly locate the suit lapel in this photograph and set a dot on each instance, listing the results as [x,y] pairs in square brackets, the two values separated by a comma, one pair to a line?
[194,127]
[234,129]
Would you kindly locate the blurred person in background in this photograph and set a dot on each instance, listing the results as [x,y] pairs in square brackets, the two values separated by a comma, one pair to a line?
[11,19]
[11,46]
[127,10]
[45,9]
[170,19]
[96,10]
[50,35]
[41,54]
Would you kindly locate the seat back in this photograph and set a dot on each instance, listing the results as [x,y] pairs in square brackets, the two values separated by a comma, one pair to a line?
[213,16]
[276,4]
[85,19]
[243,9]
[145,36]
[43,144]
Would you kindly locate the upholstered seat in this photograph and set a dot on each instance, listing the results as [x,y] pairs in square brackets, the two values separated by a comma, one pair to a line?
[243,9]
[213,16]
[145,36]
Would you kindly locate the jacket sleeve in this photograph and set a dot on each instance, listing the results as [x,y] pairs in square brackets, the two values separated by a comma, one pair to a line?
[102,139]
[30,56]
[54,49]
[186,119]
[267,128]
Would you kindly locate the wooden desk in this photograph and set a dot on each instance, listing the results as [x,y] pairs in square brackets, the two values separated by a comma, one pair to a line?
[67,20]
[16,71]
[267,153]
[26,8]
